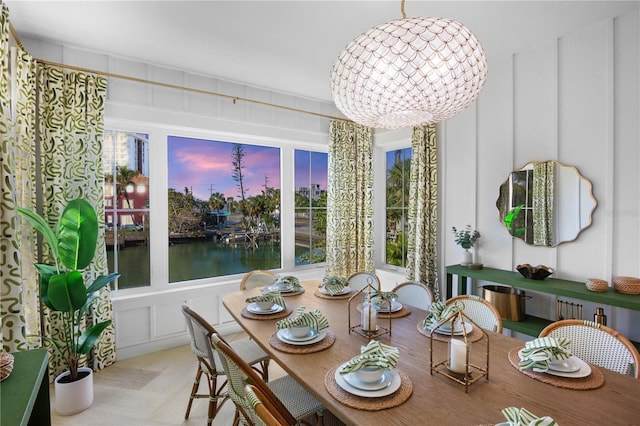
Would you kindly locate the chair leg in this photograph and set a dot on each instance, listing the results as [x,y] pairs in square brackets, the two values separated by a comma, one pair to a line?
[265,369]
[213,397]
[194,390]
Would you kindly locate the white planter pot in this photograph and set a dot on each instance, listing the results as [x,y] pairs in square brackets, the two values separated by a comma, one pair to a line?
[74,397]
[467,258]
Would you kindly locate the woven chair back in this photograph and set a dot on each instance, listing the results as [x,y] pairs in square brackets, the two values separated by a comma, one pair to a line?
[414,294]
[360,280]
[240,373]
[481,311]
[257,278]
[597,344]
[264,409]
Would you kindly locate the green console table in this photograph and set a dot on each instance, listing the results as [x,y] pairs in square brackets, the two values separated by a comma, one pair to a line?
[533,325]
[24,395]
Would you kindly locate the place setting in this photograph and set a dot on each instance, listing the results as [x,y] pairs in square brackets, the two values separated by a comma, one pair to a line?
[266,306]
[388,306]
[550,360]
[432,324]
[287,286]
[370,381]
[306,332]
[333,287]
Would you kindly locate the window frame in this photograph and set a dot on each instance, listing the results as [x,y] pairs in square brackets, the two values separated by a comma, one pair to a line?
[158,203]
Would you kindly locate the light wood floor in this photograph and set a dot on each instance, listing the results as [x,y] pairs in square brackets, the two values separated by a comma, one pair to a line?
[152,390]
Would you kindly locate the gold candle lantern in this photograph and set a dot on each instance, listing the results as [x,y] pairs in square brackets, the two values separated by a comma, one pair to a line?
[457,365]
[369,326]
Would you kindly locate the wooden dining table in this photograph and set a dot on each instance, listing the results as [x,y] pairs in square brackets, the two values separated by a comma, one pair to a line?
[435,399]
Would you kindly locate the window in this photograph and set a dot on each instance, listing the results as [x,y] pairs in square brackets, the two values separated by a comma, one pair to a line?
[224,208]
[398,171]
[126,166]
[310,206]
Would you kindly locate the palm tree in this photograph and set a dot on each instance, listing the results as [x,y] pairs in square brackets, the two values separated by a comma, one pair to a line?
[217,202]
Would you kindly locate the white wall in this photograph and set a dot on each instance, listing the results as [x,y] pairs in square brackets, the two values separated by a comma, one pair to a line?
[574,99]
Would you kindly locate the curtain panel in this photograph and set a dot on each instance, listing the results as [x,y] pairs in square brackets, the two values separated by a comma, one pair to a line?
[51,129]
[349,243]
[423,210]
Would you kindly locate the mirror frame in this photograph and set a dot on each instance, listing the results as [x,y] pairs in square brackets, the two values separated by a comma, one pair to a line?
[558,164]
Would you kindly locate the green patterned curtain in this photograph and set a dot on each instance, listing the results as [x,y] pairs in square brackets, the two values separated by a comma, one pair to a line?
[349,199]
[543,188]
[43,166]
[423,210]
[19,293]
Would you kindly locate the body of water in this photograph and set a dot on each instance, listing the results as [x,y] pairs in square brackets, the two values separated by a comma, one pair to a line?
[198,259]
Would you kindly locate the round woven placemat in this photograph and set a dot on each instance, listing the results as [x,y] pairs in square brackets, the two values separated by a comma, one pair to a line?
[284,313]
[475,335]
[6,365]
[592,381]
[292,293]
[302,349]
[369,404]
[328,296]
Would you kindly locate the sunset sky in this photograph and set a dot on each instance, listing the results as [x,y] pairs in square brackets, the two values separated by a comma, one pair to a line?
[205,166]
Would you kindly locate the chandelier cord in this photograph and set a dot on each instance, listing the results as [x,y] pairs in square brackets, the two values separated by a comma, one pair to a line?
[404,15]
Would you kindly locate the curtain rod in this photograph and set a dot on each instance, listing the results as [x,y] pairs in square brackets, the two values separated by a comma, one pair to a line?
[174,86]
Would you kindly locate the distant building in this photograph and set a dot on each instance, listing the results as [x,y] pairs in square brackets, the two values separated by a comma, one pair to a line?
[313,191]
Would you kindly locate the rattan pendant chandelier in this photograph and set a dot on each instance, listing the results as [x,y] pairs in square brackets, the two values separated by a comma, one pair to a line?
[408,72]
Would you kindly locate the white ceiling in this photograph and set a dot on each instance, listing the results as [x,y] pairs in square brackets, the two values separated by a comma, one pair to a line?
[288,46]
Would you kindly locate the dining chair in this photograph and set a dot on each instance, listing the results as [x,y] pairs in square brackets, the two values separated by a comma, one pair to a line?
[257,278]
[209,362]
[414,294]
[292,400]
[359,280]
[480,310]
[265,410]
[597,344]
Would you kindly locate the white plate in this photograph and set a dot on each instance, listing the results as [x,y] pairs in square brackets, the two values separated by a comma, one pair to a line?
[564,365]
[468,328]
[282,336]
[396,381]
[344,291]
[395,307]
[253,308]
[584,370]
[384,381]
[310,335]
[283,289]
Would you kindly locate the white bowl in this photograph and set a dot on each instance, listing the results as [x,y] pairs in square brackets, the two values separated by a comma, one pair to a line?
[299,331]
[264,306]
[369,374]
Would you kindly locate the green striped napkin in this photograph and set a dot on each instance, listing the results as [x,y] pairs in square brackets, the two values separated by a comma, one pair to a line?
[271,296]
[381,297]
[538,353]
[288,283]
[313,319]
[375,354]
[440,311]
[333,284]
[524,417]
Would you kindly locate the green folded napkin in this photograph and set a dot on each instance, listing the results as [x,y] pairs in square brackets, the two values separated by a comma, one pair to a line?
[538,353]
[288,283]
[524,417]
[381,297]
[375,354]
[313,319]
[440,311]
[271,296]
[333,284]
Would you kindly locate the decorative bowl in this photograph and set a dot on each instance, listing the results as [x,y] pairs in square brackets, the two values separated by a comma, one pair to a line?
[264,306]
[595,284]
[369,374]
[626,285]
[539,272]
[299,331]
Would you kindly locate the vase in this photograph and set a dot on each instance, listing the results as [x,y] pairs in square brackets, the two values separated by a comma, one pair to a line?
[467,258]
[74,397]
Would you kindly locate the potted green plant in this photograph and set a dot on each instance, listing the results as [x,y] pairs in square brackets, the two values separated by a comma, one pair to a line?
[72,247]
[466,238]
